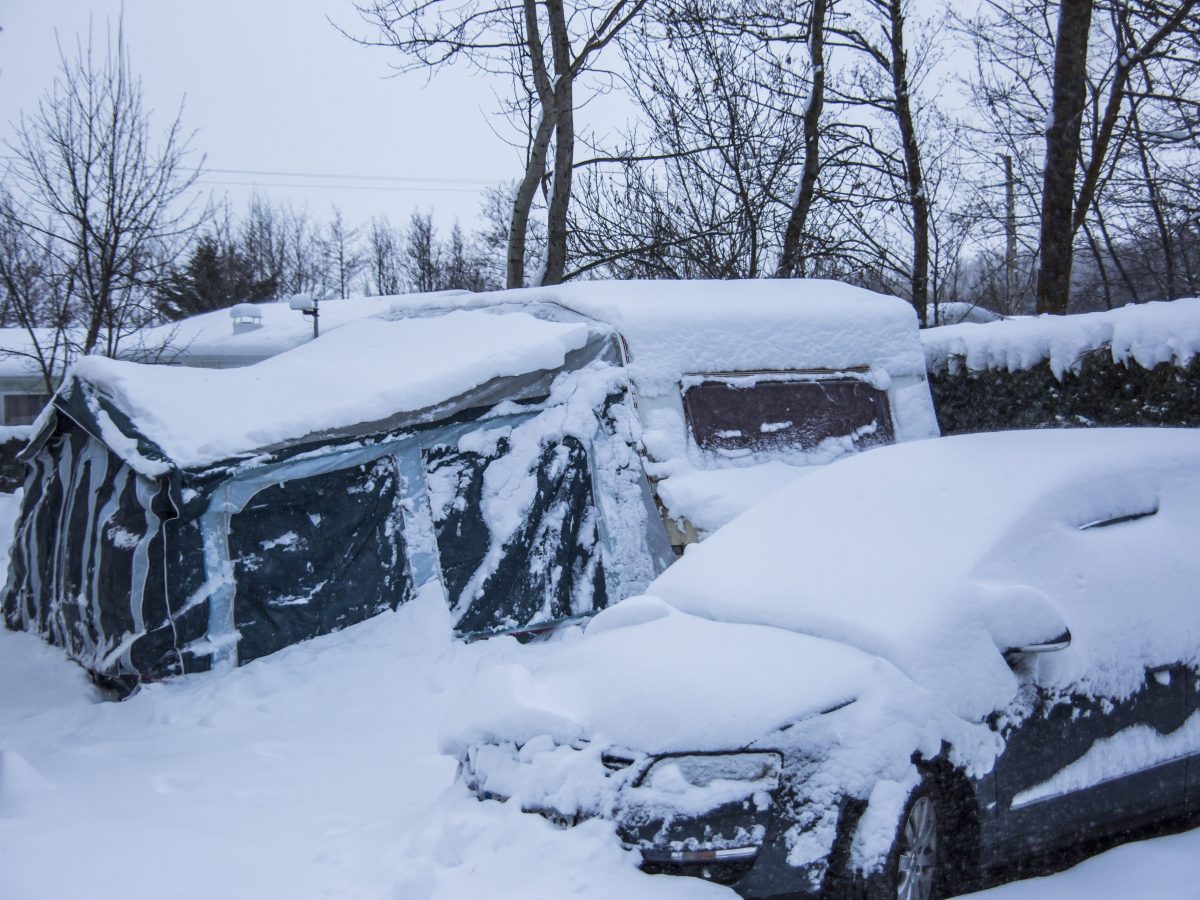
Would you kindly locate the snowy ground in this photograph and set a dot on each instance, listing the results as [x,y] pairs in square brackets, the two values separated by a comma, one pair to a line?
[314,773]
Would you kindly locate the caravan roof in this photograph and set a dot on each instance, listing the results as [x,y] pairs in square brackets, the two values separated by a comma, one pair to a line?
[676,327]
[681,336]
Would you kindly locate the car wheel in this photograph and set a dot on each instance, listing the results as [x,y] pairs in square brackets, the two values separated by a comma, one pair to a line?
[916,865]
[917,851]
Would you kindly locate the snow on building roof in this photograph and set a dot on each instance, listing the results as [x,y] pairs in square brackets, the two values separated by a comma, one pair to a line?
[674,328]
[210,338]
[18,352]
[358,373]
[845,554]
[1147,333]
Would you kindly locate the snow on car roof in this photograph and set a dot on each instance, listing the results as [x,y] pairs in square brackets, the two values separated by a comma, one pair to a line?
[1147,333]
[678,327]
[936,555]
[361,372]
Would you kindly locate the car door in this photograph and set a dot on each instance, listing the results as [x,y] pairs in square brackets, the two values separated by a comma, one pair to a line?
[1076,765]
[1193,764]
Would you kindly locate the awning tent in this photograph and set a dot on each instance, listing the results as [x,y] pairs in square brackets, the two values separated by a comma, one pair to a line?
[175,520]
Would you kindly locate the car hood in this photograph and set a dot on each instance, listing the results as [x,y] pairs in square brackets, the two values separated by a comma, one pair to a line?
[646,677]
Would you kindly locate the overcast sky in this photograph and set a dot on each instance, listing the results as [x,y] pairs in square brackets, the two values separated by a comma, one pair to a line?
[270,86]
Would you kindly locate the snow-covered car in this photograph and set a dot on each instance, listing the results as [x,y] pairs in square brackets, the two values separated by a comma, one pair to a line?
[896,674]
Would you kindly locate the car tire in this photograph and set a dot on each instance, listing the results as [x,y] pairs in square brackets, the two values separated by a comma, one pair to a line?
[917,864]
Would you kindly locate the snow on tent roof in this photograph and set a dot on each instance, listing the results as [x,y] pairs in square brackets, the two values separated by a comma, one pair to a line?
[679,327]
[1147,333]
[938,554]
[362,372]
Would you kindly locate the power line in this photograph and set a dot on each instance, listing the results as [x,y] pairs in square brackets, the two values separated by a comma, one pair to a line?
[424,179]
[273,173]
[341,187]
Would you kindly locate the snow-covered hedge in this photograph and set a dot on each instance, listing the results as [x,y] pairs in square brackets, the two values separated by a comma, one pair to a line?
[12,470]
[1138,365]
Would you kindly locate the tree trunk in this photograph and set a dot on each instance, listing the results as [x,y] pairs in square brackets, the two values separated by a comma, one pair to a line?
[1062,155]
[564,147]
[912,162]
[791,261]
[539,148]
[535,167]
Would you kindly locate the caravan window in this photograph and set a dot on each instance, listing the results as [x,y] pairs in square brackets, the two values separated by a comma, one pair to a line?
[751,412]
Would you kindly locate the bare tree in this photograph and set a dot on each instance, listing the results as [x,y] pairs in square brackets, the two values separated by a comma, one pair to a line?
[422,256]
[791,259]
[699,190]
[103,200]
[885,86]
[35,294]
[261,237]
[342,257]
[384,276]
[543,46]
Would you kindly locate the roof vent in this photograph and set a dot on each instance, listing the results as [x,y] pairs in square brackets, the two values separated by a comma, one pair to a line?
[246,317]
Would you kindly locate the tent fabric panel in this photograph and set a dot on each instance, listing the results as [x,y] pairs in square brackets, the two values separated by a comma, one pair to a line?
[86,556]
[314,555]
[549,568]
[20,594]
[183,563]
[74,622]
[155,652]
[120,533]
[51,536]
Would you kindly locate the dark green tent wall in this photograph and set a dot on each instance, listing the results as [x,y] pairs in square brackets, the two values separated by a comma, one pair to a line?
[522,500]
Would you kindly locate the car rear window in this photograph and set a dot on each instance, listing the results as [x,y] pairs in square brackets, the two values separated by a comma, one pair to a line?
[776,411]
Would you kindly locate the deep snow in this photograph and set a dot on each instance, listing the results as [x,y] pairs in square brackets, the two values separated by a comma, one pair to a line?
[311,773]
[315,773]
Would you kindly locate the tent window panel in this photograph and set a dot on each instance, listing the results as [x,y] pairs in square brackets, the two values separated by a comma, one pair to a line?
[538,559]
[739,414]
[314,555]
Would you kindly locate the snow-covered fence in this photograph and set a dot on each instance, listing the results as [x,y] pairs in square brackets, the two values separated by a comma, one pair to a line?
[1138,365]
